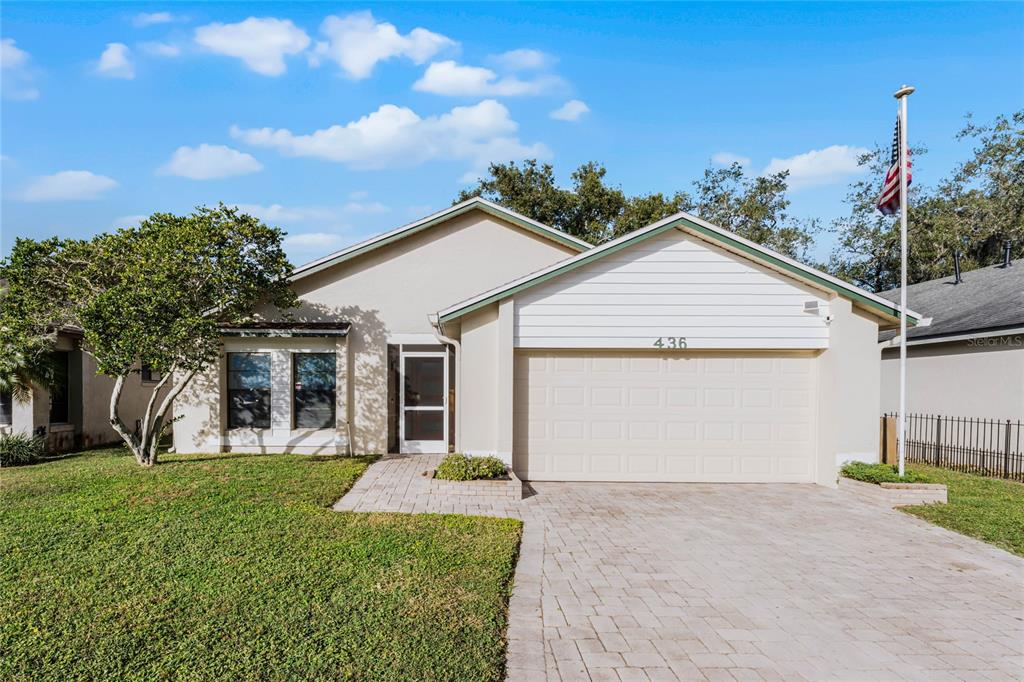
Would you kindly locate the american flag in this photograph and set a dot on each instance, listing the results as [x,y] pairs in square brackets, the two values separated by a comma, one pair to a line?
[889,198]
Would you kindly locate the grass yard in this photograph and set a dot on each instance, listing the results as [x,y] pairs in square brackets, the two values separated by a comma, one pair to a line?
[234,567]
[989,509]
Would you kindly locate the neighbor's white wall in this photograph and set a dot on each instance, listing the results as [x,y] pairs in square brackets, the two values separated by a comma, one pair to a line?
[980,379]
[671,285]
[848,400]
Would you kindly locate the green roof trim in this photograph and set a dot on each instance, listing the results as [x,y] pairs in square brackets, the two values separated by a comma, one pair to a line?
[806,273]
[471,205]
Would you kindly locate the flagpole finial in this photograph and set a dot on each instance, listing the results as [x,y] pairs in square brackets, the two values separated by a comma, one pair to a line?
[904,91]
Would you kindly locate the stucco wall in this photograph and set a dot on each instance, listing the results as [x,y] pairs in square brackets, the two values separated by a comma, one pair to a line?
[479,382]
[983,378]
[391,291]
[848,406]
[89,405]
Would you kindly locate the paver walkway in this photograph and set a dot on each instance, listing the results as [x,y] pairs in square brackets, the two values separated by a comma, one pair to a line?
[735,582]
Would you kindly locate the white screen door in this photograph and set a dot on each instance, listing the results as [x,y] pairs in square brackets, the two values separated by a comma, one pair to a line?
[423,400]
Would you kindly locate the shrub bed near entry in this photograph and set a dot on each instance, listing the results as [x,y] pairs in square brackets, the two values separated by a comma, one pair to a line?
[17,449]
[879,473]
[466,468]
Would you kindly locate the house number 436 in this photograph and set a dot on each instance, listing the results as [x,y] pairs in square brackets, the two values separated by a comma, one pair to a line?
[670,342]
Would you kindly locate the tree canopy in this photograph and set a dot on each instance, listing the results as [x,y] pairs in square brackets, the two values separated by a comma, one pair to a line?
[974,210]
[152,295]
[593,210]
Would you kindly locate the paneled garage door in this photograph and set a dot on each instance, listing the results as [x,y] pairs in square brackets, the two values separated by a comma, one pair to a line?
[629,416]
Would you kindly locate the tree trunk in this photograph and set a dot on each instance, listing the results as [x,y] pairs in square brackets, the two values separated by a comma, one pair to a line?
[146,446]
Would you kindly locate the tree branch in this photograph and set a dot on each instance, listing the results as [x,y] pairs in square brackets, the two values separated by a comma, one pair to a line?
[115,421]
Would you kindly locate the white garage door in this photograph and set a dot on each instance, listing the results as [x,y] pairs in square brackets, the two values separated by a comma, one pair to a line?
[629,416]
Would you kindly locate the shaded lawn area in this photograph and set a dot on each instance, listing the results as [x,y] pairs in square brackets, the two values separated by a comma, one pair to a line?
[234,567]
[988,509]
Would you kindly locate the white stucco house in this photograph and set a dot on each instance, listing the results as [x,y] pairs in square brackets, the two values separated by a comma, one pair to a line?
[679,352]
[969,361]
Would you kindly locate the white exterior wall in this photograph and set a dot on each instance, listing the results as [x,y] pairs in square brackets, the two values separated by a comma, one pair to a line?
[979,378]
[848,402]
[478,404]
[672,285]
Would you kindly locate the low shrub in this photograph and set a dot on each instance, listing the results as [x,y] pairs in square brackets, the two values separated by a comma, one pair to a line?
[17,449]
[880,473]
[466,468]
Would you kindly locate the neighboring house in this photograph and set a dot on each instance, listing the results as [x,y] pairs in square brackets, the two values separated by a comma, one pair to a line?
[969,362]
[76,413]
[679,352]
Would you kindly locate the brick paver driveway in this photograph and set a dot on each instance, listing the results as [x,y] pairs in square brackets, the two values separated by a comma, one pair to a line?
[747,582]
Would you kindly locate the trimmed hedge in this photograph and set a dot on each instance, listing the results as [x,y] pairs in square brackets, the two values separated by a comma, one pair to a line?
[17,449]
[880,473]
[466,468]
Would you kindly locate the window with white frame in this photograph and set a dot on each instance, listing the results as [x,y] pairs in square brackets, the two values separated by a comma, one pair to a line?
[313,400]
[248,390]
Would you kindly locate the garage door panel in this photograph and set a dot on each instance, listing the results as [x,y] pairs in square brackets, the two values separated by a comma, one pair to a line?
[600,415]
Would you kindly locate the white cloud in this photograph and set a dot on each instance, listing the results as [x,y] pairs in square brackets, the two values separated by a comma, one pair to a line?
[396,136]
[68,186]
[261,43]
[312,240]
[357,42]
[17,78]
[451,78]
[129,221]
[819,166]
[11,56]
[158,49]
[365,207]
[276,214]
[151,18]
[116,62]
[523,60]
[728,159]
[570,111]
[209,162]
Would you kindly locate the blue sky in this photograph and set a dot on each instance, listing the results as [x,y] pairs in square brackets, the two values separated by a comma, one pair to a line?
[336,121]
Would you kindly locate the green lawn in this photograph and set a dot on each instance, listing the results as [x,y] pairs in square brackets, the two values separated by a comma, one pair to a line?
[989,509]
[234,567]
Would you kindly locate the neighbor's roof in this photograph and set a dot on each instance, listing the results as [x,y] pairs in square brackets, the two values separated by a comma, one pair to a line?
[475,203]
[703,230]
[988,299]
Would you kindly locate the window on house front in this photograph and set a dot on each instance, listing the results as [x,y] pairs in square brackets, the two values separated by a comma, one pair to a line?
[150,375]
[6,407]
[314,375]
[249,390]
[60,389]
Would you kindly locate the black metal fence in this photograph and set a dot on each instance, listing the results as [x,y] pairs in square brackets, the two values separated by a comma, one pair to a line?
[989,447]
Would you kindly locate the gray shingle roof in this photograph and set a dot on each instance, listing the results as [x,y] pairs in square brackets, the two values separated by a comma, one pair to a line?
[987,299]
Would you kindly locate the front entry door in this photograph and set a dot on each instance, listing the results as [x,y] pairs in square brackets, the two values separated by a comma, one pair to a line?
[423,420]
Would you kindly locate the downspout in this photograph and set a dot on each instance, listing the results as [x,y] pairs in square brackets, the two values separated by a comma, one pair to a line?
[435,326]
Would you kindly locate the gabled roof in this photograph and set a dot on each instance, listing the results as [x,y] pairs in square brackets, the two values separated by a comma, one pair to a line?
[987,300]
[704,230]
[475,203]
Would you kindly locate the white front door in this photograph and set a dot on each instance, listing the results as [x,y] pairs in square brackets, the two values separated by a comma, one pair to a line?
[423,402]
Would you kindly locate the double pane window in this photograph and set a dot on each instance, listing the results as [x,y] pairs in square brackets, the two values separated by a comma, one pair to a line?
[6,406]
[314,396]
[249,390]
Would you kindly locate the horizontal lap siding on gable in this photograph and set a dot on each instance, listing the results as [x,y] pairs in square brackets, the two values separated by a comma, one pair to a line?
[673,285]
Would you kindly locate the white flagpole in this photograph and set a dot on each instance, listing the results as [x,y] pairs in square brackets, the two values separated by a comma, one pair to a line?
[901,96]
